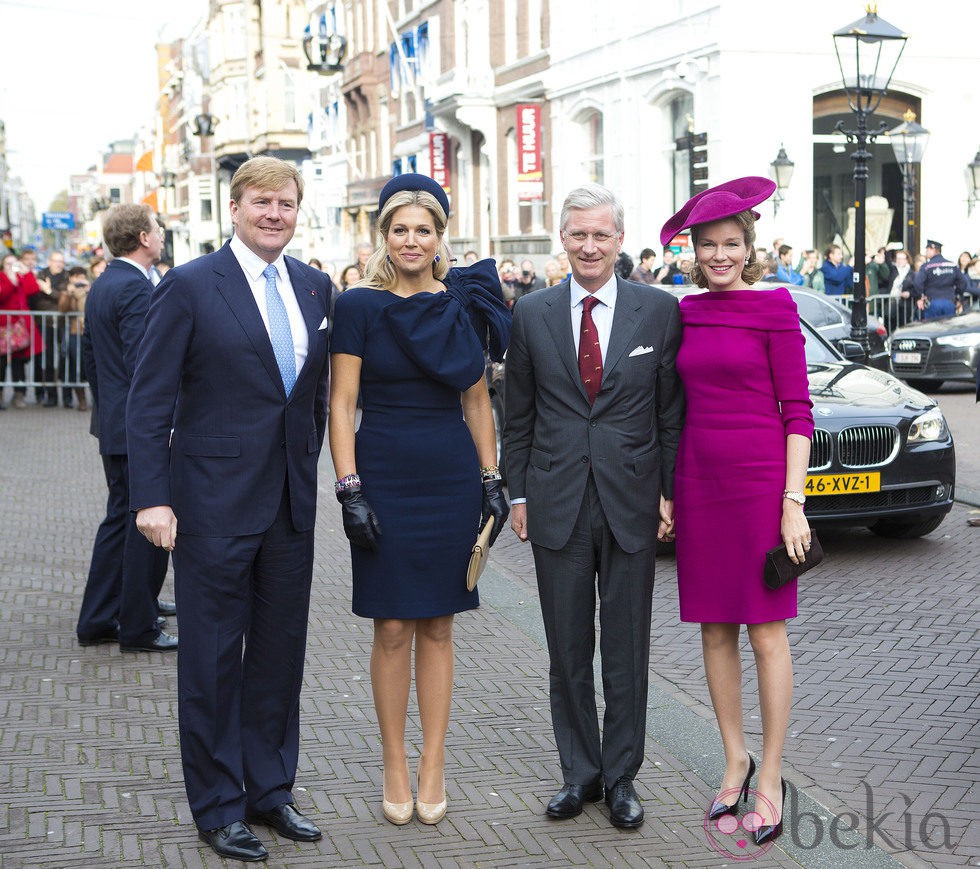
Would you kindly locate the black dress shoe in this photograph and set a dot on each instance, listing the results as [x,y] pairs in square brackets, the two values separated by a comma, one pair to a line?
[770,832]
[109,636]
[567,803]
[160,643]
[166,608]
[625,810]
[719,809]
[287,821]
[236,841]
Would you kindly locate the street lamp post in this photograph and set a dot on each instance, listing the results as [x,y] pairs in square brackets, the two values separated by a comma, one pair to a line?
[782,171]
[973,169]
[909,143]
[324,46]
[204,125]
[867,54]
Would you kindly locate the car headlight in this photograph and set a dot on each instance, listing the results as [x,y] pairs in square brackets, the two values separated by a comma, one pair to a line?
[964,339]
[931,426]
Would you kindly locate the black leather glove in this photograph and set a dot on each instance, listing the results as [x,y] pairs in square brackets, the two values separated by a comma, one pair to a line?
[360,523]
[494,504]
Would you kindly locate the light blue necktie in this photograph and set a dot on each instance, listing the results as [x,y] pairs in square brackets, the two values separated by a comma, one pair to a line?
[279,331]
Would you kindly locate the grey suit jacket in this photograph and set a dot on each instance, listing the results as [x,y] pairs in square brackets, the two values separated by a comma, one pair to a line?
[629,437]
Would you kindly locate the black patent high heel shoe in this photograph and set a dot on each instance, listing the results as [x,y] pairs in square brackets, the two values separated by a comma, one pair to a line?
[770,832]
[719,809]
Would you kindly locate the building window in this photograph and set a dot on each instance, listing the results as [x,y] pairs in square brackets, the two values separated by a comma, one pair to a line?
[681,118]
[510,31]
[534,36]
[289,98]
[235,38]
[592,164]
[206,209]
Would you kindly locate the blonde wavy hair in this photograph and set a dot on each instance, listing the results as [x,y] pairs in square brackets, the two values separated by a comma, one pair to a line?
[379,273]
[754,269]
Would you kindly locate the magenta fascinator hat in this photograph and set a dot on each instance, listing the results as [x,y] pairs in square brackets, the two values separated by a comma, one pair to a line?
[717,203]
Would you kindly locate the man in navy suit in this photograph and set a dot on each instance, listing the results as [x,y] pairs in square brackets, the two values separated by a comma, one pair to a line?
[127,571]
[235,362]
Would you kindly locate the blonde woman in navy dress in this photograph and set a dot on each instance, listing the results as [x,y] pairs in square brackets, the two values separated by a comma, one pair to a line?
[421,476]
[741,468]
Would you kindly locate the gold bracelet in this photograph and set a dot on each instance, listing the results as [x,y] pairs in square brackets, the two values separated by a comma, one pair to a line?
[490,472]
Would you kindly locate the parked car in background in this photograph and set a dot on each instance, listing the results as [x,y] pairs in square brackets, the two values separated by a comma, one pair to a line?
[830,318]
[833,321]
[882,456]
[928,353]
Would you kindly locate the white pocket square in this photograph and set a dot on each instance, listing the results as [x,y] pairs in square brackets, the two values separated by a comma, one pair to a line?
[639,351]
[323,325]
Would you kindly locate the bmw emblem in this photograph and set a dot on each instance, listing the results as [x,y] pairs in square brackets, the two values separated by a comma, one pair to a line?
[824,411]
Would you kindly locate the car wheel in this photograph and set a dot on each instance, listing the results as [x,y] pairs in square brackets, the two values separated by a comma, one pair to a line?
[497,406]
[906,530]
[925,385]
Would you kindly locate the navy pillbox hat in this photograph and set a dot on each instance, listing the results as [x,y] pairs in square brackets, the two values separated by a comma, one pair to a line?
[414,181]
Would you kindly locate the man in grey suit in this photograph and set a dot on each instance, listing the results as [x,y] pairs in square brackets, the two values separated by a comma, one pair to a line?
[594,413]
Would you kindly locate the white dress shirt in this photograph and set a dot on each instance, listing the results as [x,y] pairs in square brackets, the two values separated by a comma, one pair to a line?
[135,265]
[253,266]
[602,314]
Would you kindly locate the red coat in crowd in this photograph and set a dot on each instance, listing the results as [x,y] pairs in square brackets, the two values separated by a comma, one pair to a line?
[13,297]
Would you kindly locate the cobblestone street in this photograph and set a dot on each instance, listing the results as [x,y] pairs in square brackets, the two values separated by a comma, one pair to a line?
[884,734]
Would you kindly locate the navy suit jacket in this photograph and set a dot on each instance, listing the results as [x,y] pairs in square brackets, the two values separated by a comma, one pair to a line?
[207,364]
[115,319]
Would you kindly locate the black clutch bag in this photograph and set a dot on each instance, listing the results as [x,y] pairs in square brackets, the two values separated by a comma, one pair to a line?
[780,570]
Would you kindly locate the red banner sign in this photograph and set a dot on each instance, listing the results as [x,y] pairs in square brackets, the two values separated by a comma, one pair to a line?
[530,178]
[439,160]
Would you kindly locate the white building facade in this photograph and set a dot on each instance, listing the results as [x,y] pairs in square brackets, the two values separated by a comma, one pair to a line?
[625,84]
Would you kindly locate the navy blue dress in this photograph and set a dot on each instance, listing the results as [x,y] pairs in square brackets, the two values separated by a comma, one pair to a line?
[415,455]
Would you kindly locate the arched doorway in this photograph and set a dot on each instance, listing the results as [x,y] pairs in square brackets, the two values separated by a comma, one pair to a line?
[833,168]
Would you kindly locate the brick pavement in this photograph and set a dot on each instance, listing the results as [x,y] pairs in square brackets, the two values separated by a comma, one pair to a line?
[89,765]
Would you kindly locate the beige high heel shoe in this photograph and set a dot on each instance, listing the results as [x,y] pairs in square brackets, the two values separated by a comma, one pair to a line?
[430,813]
[398,814]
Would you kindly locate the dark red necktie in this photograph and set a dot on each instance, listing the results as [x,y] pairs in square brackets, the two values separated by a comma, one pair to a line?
[589,352]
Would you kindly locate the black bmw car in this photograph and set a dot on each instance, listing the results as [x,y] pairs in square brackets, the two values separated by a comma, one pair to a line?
[927,353]
[882,455]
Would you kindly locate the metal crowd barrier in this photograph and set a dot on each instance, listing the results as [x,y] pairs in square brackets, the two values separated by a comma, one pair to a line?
[895,312]
[57,360]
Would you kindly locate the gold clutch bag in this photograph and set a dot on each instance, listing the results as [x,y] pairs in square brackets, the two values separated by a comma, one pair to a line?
[479,556]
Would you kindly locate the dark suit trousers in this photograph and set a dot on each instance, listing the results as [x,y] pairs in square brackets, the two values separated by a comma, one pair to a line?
[239,713]
[127,571]
[567,586]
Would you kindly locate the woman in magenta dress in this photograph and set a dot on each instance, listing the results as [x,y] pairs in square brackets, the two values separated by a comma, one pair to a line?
[739,481]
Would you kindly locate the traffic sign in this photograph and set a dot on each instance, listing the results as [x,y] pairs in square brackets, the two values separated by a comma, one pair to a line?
[58,220]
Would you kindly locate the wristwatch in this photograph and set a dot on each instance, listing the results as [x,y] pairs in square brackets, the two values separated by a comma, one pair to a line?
[799,497]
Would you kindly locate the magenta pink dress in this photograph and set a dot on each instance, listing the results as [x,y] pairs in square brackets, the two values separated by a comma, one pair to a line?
[744,372]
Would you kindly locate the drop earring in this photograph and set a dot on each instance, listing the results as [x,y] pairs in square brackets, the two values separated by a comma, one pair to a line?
[438,257]
[388,257]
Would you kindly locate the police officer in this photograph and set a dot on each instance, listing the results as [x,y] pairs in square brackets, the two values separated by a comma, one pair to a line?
[938,284]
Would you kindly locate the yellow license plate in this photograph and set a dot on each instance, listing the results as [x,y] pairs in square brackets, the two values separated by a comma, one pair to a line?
[841,484]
